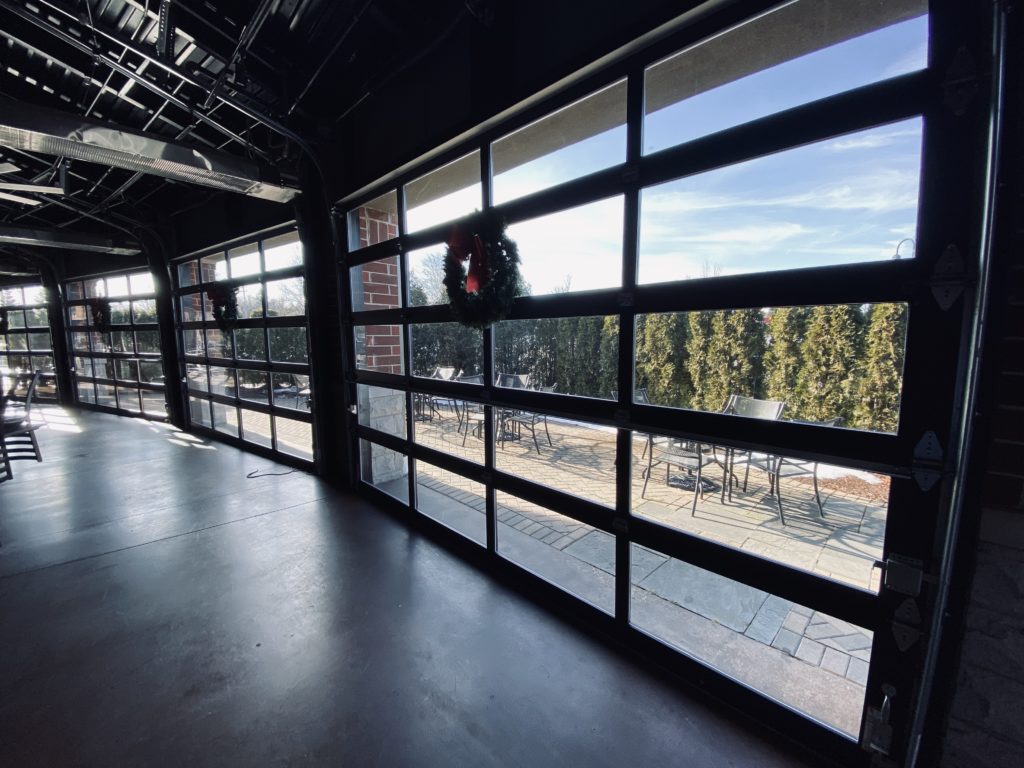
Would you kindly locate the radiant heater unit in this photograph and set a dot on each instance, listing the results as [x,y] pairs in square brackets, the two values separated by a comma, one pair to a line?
[37,129]
[60,238]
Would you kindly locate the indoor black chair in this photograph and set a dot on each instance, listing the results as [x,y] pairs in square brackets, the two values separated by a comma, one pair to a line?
[19,432]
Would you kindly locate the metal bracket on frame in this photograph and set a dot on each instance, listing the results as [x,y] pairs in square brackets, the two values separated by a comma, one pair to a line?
[948,278]
[904,575]
[960,85]
[876,733]
[927,466]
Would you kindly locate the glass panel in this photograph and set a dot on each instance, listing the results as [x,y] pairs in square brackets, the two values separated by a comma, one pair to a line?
[126,370]
[573,355]
[451,191]
[379,348]
[122,341]
[34,294]
[147,342]
[282,251]
[376,284]
[793,654]
[571,456]
[225,419]
[37,318]
[374,222]
[100,342]
[575,250]
[86,392]
[192,308]
[197,377]
[450,425]
[256,428]
[117,285]
[83,366]
[286,297]
[142,283]
[581,138]
[292,391]
[199,411]
[452,500]
[252,385]
[16,318]
[384,469]
[120,312]
[250,344]
[294,438]
[74,292]
[77,315]
[569,554]
[382,409]
[11,297]
[245,260]
[104,367]
[288,345]
[151,372]
[39,341]
[128,400]
[195,342]
[822,363]
[153,403]
[45,363]
[188,274]
[222,381]
[446,350]
[426,276]
[144,311]
[780,60]
[250,300]
[213,267]
[218,343]
[824,519]
[846,200]
[95,288]
[17,341]
[105,395]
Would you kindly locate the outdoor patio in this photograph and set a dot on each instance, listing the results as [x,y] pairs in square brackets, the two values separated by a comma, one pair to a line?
[804,658]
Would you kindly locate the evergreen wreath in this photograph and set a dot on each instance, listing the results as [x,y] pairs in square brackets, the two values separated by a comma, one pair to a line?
[484,293]
[5,323]
[225,306]
[100,314]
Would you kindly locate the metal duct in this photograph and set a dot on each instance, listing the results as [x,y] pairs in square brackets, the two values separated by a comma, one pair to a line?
[59,238]
[37,129]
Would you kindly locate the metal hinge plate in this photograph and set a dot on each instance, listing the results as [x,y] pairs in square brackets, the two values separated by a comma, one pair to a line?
[948,278]
[927,468]
[904,575]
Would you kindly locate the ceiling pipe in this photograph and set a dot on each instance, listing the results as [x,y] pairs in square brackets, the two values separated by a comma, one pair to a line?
[245,39]
[38,129]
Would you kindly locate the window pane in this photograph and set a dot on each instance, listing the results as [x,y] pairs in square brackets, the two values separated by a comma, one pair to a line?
[117,286]
[384,469]
[142,283]
[581,138]
[144,311]
[213,267]
[120,312]
[74,292]
[252,385]
[225,419]
[447,193]
[571,456]
[128,400]
[382,409]
[250,300]
[16,318]
[292,390]
[153,403]
[446,350]
[244,260]
[450,425]
[453,500]
[34,294]
[374,222]
[218,343]
[800,657]
[288,345]
[222,381]
[151,372]
[77,315]
[195,342]
[376,285]
[39,341]
[192,308]
[282,251]
[572,355]
[86,392]
[379,348]
[188,274]
[199,411]
[575,250]
[846,200]
[105,395]
[780,60]
[426,276]
[147,342]
[83,366]
[122,341]
[822,363]
[250,344]
[197,377]
[256,428]
[95,288]
[827,520]
[294,438]
[286,297]
[574,556]
[126,370]
[37,317]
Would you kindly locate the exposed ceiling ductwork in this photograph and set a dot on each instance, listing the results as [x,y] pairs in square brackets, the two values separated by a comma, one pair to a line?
[38,129]
[60,238]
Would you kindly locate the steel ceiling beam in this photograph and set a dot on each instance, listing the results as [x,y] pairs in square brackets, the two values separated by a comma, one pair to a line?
[65,240]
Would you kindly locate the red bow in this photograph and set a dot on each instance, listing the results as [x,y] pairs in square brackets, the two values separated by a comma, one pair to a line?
[461,249]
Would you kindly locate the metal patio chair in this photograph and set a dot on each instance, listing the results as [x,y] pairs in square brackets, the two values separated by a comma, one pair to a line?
[19,431]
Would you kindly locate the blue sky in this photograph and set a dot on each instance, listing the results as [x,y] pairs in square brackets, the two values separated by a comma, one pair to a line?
[844,200]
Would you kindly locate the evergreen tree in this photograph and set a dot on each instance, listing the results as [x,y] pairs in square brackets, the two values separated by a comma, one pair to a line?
[734,356]
[608,354]
[786,328]
[827,386]
[699,333]
[661,359]
[881,381]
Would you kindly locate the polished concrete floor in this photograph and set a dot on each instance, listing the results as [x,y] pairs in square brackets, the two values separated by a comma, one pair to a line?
[158,607]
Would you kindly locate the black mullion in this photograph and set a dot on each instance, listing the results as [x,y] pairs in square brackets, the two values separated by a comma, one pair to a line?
[489,434]
[406,336]
[582,510]
[375,252]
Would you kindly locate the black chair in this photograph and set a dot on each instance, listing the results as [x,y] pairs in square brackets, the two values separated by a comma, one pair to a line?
[687,455]
[517,421]
[18,436]
[752,408]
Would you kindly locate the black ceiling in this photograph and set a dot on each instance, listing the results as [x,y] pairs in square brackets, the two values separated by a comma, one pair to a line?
[215,77]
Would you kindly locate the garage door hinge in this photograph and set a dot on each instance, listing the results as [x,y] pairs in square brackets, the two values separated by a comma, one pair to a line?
[927,466]
[948,277]
[876,735]
[960,85]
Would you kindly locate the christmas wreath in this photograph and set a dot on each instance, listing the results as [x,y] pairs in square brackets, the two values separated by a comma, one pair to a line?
[100,309]
[225,306]
[5,323]
[483,293]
